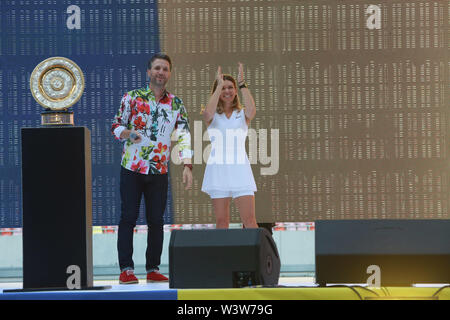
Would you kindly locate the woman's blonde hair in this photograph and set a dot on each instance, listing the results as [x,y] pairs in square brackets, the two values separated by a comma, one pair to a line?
[236,103]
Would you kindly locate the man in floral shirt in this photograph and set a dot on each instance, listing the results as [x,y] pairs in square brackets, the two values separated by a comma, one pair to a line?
[145,122]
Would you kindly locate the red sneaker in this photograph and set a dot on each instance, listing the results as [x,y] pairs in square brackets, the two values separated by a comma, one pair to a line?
[128,277]
[156,276]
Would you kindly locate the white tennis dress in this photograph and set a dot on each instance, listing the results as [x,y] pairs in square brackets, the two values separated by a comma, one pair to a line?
[228,167]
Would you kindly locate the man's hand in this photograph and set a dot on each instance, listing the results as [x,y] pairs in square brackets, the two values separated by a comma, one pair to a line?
[135,137]
[187,178]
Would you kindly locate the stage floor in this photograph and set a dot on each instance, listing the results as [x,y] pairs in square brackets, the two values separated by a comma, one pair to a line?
[143,286]
[289,288]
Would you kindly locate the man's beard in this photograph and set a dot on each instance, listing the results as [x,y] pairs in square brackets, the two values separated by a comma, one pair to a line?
[161,83]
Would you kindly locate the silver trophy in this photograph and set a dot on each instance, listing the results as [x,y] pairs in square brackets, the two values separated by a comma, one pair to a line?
[57,83]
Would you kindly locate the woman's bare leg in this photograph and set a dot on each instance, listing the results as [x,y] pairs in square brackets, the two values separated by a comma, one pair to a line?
[246,208]
[221,207]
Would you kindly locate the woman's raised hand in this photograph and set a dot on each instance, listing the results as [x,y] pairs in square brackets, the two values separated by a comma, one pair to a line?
[241,73]
[219,76]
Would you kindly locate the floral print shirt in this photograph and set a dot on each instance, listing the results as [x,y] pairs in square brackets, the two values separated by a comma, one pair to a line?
[155,121]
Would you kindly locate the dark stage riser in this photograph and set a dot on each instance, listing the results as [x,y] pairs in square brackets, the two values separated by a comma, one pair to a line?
[57,206]
[405,251]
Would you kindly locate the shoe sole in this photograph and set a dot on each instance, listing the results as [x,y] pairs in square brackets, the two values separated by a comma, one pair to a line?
[128,282]
[152,281]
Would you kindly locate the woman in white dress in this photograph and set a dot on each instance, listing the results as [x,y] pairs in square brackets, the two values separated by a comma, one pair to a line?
[228,174]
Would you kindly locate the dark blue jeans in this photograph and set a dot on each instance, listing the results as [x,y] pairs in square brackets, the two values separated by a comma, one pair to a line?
[154,188]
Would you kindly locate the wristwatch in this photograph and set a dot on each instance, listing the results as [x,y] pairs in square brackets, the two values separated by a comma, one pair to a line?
[243,85]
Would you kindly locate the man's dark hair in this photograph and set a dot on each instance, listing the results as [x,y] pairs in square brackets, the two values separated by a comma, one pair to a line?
[159,55]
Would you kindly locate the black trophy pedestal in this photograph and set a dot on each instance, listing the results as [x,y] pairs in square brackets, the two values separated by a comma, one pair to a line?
[57,208]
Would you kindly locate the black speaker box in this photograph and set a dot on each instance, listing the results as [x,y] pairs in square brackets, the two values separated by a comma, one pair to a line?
[57,206]
[222,258]
[406,251]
